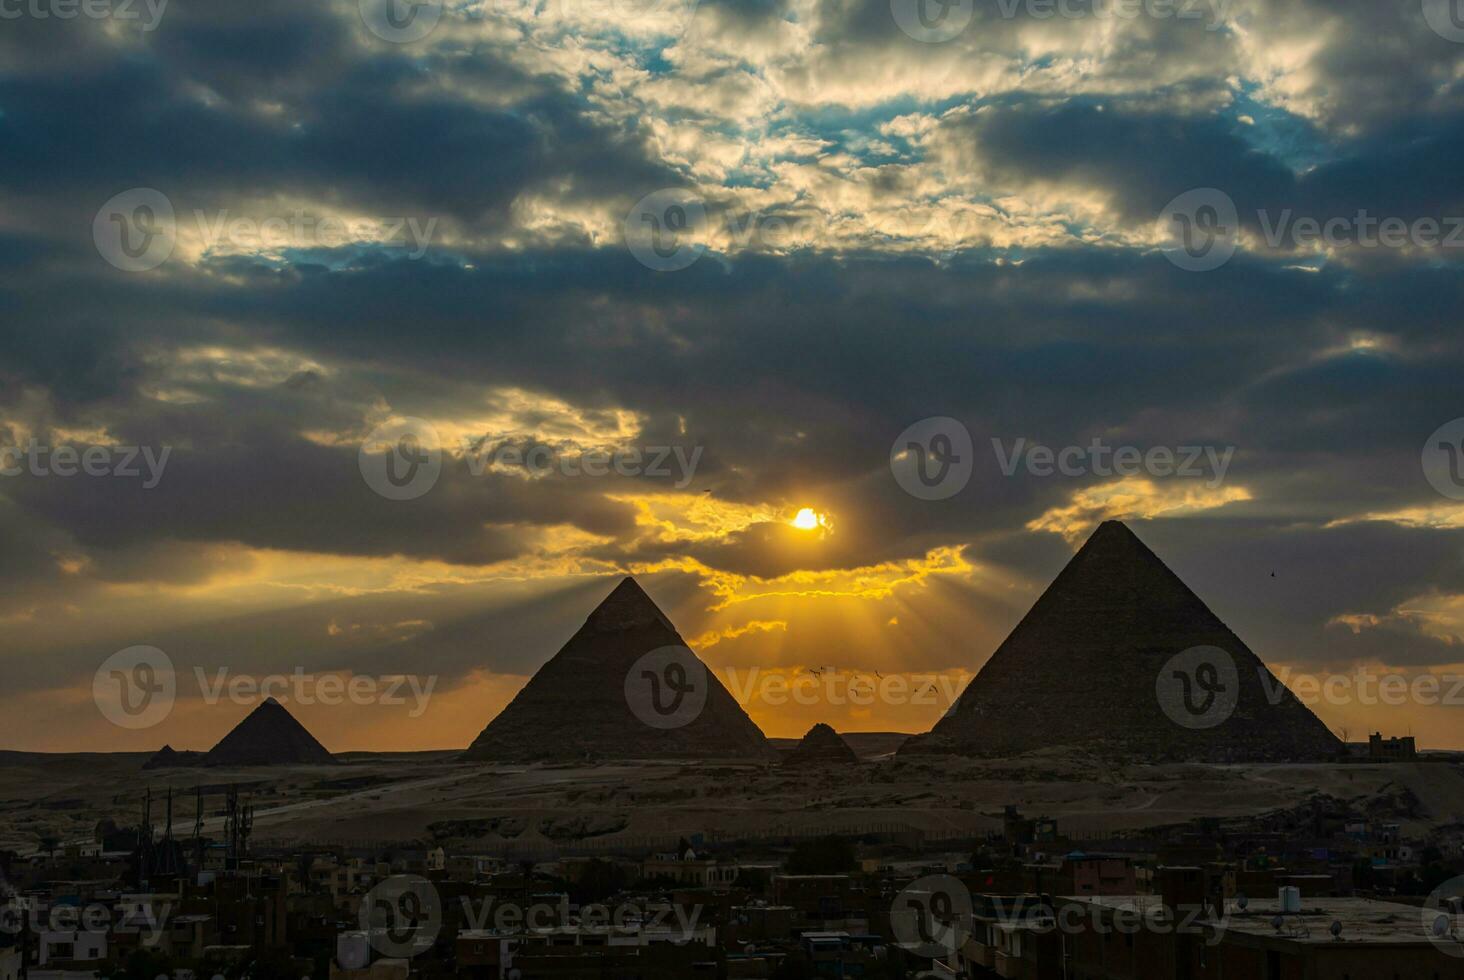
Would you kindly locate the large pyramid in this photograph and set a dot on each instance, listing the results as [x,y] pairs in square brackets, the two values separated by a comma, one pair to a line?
[268,736]
[1090,666]
[579,704]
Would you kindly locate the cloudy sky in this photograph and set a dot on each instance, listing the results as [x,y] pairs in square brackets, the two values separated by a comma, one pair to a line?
[272,239]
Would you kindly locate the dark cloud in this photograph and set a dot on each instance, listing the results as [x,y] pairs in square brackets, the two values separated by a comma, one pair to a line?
[791,371]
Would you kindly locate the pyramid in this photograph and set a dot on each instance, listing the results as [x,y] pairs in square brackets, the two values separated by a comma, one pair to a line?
[1087,664]
[581,703]
[822,746]
[268,736]
[168,757]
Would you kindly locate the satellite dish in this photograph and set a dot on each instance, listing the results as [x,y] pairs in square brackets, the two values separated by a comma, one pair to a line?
[1277,923]
[1241,902]
[1442,926]
[1336,928]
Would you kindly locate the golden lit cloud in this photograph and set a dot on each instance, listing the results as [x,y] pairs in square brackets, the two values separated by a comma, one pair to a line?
[1443,515]
[686,517]
[1132,497]
[712,637]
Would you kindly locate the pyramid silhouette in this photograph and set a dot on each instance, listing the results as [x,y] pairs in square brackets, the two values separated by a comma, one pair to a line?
[821,746]
[1090,665]
[581,704]
[268,736]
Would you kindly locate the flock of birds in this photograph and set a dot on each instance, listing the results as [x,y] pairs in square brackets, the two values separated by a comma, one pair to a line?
[860,676]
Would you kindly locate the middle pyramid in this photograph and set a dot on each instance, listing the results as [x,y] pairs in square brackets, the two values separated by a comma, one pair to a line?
[577,705]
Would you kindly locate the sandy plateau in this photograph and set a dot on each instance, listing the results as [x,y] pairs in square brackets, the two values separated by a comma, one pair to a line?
[495,807]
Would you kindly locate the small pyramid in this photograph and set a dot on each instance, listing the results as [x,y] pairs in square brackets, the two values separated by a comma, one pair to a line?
[168,757]
[822,746]
[578,705]
[1081,669]
[268,736]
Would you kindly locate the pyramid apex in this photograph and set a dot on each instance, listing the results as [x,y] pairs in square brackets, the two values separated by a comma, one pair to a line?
[822,745]
[627,606]
[1113,528]
[268,735]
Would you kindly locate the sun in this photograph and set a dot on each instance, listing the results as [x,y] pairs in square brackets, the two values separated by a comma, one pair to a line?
[807,519]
